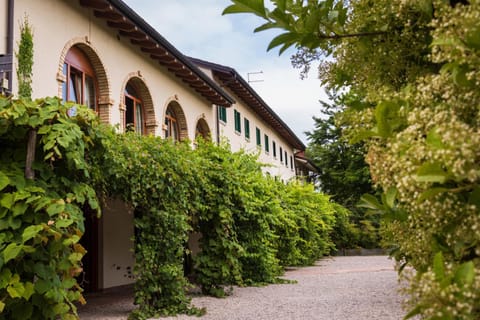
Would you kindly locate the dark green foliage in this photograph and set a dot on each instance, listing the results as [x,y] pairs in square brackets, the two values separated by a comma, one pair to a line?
[41,220]
[343,174]
[304,225]
[152,175]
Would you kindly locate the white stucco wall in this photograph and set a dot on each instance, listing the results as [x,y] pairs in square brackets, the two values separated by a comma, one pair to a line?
[238,140]
[117,233]
[56,22]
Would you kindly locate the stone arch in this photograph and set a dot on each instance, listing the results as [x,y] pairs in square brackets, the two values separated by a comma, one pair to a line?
[177,109]
[202,129]
[139,83]
[104,91]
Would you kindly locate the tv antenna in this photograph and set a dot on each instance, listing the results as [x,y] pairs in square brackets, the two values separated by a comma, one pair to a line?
[254,80]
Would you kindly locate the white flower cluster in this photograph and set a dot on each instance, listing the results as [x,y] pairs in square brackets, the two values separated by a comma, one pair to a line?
[432,157]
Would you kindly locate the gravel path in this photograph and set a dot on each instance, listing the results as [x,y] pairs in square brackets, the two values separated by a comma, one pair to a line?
[337,288]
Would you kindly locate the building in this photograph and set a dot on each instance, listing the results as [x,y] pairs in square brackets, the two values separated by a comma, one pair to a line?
[250,124]
[102,54]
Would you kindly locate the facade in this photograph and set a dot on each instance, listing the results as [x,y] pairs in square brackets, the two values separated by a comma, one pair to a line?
[102,54]
[250,124]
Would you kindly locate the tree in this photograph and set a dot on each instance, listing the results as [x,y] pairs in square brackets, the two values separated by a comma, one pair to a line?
[416,65]
[343,174]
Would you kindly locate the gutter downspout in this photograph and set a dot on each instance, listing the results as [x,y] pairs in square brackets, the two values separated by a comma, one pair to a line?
[9,56]
[217,109]
[10,27]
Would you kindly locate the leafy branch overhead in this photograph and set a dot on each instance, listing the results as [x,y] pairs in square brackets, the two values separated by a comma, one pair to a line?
[312,25]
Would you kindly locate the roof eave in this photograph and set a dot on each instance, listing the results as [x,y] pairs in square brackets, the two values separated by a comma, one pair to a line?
[128,23]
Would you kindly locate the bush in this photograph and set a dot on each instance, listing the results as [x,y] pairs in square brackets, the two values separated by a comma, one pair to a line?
[251,225]
[41,219]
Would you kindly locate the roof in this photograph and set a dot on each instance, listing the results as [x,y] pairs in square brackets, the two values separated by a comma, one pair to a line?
[231,78]
[307,163]
[129,24]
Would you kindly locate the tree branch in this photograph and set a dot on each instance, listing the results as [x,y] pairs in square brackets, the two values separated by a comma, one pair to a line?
[31,145]
[352,35]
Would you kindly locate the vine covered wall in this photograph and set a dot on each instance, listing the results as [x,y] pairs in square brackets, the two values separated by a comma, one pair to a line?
[251,225]
[41,219]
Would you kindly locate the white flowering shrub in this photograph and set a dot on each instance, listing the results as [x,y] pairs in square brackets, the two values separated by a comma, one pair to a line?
[407,72]
[427,157]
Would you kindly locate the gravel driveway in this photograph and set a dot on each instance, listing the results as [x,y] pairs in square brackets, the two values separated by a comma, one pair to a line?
[338,288]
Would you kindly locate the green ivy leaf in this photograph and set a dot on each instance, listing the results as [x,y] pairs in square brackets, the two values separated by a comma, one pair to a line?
[2,306]
[30,232]
[4,180]
[5,276]
[11,252]
[7,200]
[55,208]
[42,286]
[61,308]
[15,288]
[63,223]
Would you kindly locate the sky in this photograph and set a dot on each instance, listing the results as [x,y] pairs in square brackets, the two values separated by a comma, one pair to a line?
[198,29]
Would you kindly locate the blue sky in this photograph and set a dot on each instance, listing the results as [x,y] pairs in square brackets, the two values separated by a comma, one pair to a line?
[197,29]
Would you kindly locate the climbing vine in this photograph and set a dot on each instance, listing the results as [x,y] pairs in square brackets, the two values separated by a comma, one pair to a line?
[251,226]
[25,60]
[41,219]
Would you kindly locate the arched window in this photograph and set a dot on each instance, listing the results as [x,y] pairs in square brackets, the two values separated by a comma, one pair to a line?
[202,129]
[171,125]
[81,84]
[134,110]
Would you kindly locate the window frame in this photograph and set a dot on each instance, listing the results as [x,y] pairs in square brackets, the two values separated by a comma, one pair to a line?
[222,114]
[137,101]
[274,148]
[267,143]
[171,122]
[77,60]
[281,155]
[258,136]
[246,125]
[237,121]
